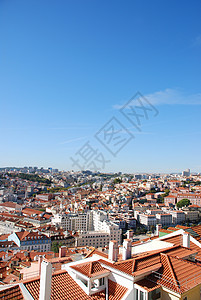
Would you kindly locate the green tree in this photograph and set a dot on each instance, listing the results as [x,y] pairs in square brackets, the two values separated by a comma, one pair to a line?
[55,246]
[42,209]
[152,228]
[166,193]
[183,202]
[152,190]
[117,180]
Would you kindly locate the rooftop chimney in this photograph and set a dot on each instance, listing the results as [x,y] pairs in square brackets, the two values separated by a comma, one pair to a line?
[130,234]
[158,228]
[62,251]
[127,246]
[40,259]
[113,250]
[186,240]
[45,280]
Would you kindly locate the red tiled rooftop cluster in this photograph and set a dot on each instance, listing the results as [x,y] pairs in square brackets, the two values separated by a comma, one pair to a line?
[65,288]
[11,293]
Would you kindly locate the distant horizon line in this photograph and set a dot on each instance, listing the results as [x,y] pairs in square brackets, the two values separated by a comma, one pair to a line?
[106,172]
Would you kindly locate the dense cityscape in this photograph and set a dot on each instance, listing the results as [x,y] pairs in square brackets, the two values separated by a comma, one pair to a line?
[72,219]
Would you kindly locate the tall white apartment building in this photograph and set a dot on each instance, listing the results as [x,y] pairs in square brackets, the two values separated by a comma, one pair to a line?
[98,220]
[92,238]
[164,219]
[147,220]
[187,172]
[73,221]
[94,227]
[177,216]
[192,215]
[101,223]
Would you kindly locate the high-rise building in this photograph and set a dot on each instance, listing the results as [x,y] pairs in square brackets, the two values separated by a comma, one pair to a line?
[186,172]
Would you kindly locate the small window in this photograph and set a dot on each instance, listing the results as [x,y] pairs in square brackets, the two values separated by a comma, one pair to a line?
[141,295]
[102,281]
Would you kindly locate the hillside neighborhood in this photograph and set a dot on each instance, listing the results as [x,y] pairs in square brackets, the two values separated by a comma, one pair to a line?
[88,231]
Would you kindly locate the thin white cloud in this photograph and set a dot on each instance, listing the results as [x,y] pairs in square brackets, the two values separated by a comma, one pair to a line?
[79,127]
[70,128]
[173,96]
[169,96]
[73,140]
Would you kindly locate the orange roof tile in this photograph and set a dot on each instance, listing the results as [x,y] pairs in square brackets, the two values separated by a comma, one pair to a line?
[147,261]
[13,292]
[174,275]
[182,227]
[65,288]
[90,269]
[176,240]
[115,291]
[147,284]
[100,253]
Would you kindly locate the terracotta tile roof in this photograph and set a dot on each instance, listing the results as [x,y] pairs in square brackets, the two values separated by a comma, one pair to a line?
[168,276]
[197,248]
[176,240]
[136,266]
[173,274]
[65,288]
[173,228]
[147,284]
[12,293]
[180,251]
[182,227]
[146,262]
[31,211]
[4,236]
[197,229]
[95,251]
[115,291]
[9,204]
[149,261]
[31,235]
[90,269]
[21,235]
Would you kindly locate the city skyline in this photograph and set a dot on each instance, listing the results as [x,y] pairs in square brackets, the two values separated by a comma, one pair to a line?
[33,169]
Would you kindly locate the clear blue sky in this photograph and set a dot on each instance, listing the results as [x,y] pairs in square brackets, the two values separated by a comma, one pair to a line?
[66,67]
